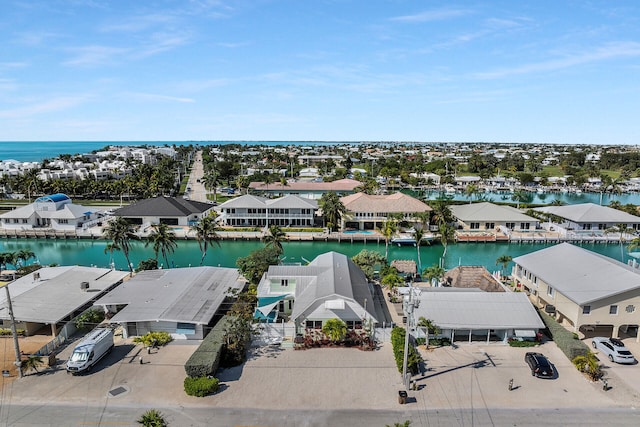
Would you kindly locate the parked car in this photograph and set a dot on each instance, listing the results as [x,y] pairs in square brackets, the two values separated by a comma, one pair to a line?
[539,365]
[614,349]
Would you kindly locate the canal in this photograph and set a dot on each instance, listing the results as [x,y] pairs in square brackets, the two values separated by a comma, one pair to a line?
[92,252]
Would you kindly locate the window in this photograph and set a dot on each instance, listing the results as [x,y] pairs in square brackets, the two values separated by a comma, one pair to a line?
[63,221]
[474,225]
[613,309]
[510,225]
[313,324]
[284,282]
[524,225]
[630,308]
[586,309]
[354,324]
[549,291]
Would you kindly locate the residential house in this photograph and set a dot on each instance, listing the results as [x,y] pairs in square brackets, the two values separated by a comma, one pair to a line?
[331,286]
[581,289]
[487,216]
[472,276]
[586,217]
[305,189]
[180,301]
[52,297]
[255,211]
[165,210]
[368,212]
[56,212]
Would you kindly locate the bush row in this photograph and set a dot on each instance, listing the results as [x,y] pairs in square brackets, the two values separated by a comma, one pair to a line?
[6,332]
[154,338]
[413,358]
[564,339]
[206,359]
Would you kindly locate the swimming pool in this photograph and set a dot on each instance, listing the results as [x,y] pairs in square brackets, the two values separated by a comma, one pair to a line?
[358,232]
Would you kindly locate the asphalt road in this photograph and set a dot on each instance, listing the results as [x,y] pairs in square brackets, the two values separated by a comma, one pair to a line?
[82,415]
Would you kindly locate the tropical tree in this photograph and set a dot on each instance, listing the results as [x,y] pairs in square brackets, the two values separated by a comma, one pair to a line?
[433,272]
[441,213]
[332,209]
[24,255]
[367,260]
[111,248]
[521,196]
[621,229]
[7,258]
[152,418]
[206,234]
[504,260]
[406,423]
[388,229]
[429,326]
[471,191]
[447,235]
[211,180]
[121,233]
[274,238]
[335,329]
[254,265]
[163,241]
[588,364]
[31,363]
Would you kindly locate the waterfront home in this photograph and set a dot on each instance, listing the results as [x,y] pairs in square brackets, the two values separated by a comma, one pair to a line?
[489,217]
[51,297]
[585,291]
[586,217]
[472,315]
[256,211]
[180,301]
[56,212]
[305,189]
[369,212]
[331,286]
[165,210]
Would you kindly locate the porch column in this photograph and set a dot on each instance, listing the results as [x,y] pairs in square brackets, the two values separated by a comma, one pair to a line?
[616,331]
[488,335]
[53,329]
[470,331]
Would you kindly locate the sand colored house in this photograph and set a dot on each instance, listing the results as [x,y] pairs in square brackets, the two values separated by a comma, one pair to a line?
[305,189]
[368,212]
[487,216]
[584,290]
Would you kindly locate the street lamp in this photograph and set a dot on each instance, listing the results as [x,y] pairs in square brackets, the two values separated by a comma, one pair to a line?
[406,378]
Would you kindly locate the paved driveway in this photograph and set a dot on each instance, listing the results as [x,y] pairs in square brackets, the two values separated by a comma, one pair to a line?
[625,377]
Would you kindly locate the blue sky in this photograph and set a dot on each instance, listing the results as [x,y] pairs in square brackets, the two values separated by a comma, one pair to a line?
[557,71]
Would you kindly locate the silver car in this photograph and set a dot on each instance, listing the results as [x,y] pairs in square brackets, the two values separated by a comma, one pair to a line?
[614,349]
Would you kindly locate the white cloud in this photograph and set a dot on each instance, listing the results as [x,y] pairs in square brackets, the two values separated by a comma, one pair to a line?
[47,106]
[139,96]
[432,15]
[602,53]
[95,55]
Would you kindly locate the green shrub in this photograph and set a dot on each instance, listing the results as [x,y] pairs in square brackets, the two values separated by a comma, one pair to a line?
[571,347]
[152,418]
[200,386]
[518,343]
[439,342]
[158,338]
[89,319]
[421,341]
[6,332]
[413,358]
[206,359]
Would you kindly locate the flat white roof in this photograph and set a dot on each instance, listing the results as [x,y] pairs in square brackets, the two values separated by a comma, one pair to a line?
[590,213]
[461,309]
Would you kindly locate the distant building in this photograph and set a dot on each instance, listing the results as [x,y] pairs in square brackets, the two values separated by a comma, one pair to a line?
[305,189]
[587,217]
[486,216]
[255,211]
[368,212]
[165,210]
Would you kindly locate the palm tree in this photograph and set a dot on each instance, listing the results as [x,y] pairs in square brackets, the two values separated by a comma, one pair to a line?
[7,258]
[332,209]
[433,272]
[111,248]
[211,181]
[441,213]
[430,327]
[504,260]
[633,244]
[121,233]
[471,190]
[152,418]
[520,196]
[621,229]
[447,234]
[24,255]
[206,233]
[388,229]
[274,238]
[163,241]
[418,235]
[32,363]
[335,329]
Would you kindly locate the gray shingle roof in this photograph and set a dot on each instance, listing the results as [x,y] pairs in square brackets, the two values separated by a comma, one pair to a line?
[189,295]
[478,310]
[590,213]
[486,211]
[164,206]
[580,275]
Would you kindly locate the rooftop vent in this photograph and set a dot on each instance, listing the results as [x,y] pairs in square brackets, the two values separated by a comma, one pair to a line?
[84,286]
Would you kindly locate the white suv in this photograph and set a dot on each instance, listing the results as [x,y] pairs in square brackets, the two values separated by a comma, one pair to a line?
[614,349]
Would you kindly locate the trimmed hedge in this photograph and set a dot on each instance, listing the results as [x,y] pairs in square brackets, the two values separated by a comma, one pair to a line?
[201,386]
[159,338]
[397,342]
[206,359]
[564,339]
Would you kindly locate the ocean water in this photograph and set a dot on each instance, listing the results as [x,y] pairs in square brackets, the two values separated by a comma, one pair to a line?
[35,151]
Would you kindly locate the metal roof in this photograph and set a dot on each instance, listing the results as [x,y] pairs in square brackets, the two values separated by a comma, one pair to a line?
[486,211]
[478,310]
[590,213]
[580,275]
[58,197]
[188,295]
[164,206]
[57,293]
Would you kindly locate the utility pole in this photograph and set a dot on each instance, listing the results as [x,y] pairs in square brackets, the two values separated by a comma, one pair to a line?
[14,332]
[410,304]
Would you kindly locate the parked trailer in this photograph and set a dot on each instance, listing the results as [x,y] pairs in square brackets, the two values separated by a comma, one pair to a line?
[93,347]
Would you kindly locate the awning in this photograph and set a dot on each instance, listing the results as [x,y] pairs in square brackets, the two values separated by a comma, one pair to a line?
[525,333]
[266,304]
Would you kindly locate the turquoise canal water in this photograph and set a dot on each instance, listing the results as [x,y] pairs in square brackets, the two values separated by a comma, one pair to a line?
[92,252]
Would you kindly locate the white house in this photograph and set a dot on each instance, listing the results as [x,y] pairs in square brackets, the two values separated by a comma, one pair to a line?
[256,211]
